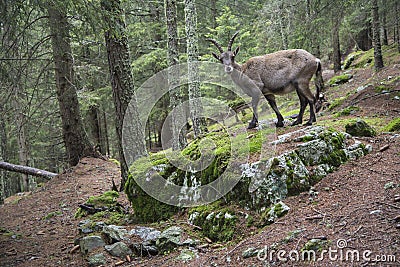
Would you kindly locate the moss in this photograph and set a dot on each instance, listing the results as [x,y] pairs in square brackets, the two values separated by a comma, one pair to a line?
[315,244]
[336,103]
[217,223]
[360,128]
[393,126]
[106,199]
[347,111]
[340,79]
[52,214]
[272,213]
[381,88]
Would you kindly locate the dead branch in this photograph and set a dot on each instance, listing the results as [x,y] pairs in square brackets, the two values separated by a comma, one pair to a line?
[26,170]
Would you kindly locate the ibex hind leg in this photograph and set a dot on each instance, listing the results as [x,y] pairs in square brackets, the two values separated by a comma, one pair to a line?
[303,105]
[254,121]
[272,103]
[304,91]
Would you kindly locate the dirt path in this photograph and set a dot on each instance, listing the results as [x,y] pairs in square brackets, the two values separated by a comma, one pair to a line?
[39,229]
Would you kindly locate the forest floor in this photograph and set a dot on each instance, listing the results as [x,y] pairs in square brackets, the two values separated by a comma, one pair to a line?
[356,205]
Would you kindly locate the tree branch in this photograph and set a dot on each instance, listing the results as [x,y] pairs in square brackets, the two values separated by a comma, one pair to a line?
[26,170]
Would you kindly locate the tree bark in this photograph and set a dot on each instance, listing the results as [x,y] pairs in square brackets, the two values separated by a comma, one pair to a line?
[26,170]
[178,118]
[75,138]
[122,87]
[377,40]
[195,106]
[337,56]
[3,143]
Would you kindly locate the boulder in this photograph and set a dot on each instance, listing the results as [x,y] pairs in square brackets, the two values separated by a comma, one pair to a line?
[89,243]
[119,249]
[97,260]
[114,233]
[169,239]
[360,128]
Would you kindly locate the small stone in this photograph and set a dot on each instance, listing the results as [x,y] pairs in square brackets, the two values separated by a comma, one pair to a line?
[114,233]
[145,233]
[119,249]
[89,243]
[374,212]
[144,250]
[187,255]
[250,252]
[97,260]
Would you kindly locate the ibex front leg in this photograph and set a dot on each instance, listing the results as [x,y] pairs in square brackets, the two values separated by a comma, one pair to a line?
[272,103]
[254,104]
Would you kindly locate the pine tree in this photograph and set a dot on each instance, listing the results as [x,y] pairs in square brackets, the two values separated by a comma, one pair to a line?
[376,32]
[196,109]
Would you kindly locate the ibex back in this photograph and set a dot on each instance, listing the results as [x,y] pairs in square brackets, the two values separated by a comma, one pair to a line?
[275,74]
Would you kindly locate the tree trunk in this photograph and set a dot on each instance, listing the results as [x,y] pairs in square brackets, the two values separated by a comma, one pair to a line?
[122,87]
[95,128]
[398,26]
[176,93]
[384,30]
[23,148]
[77,144]
[3,143]
[337,57]
[377,42]
[195,106]
[26,170]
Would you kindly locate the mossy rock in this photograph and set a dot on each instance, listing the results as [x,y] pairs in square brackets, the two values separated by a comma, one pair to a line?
[271,214]
[218,224]
[340,79]
[393,126]
[105,208]
[360,128]
[348,111]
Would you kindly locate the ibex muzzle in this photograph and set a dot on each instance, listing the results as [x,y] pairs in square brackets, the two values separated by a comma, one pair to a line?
[274,74]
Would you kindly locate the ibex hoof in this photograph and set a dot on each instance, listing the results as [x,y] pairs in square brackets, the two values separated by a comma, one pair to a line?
[279,124]
[252,125]
[309,123]
[296,123]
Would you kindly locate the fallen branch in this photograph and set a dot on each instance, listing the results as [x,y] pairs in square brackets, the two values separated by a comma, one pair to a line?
[26,170]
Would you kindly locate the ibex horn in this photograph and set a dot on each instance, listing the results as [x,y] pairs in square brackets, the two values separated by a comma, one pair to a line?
[216,44]
[231,41]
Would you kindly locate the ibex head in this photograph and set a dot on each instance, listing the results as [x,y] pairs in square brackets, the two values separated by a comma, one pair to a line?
[226,57]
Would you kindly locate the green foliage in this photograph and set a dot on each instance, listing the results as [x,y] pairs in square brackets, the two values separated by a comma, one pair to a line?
[217,223]
[340,79]
[393,126]
[347,111]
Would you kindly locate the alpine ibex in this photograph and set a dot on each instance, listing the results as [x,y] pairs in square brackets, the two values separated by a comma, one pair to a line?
[274,74]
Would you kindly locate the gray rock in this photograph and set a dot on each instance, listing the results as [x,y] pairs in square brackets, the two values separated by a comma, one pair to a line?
[187,255]
[97,260]
[145,233]
[114,233]
[360,128]
[312,152]
[250,252]
[144,249]
[89,243]
[190,242]
[276,211]
[119,249]
[84,227]
[169,239]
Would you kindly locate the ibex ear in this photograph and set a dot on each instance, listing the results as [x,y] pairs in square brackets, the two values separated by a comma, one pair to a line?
[216,56]
[236,51]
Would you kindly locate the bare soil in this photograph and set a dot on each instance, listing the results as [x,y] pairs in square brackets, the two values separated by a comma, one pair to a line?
[356,205]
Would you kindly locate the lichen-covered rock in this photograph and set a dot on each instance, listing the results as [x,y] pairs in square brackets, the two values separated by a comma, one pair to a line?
[216,224]
[315,244]
[89,243]
[114,233]
[97,260]
[119,249]
[145,233]
[276,211]
[360,128]
[187,255]
[169,239]
[250,252]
